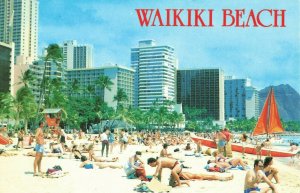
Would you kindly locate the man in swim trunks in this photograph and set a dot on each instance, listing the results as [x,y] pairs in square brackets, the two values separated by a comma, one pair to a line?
[254,177]
[39,148]
[170,163]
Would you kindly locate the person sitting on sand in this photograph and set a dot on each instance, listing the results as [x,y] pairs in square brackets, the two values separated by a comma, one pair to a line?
[254,177]
[76,152]
[56,148]
[170,163]
[89,165]
[192,176]
[134,162]
[135,167]
[188,147]
[164,151]
[270,171]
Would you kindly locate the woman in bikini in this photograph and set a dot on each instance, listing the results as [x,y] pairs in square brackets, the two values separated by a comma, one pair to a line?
[170,163]
[269,170]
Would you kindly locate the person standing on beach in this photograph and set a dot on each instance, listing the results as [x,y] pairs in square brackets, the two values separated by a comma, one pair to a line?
[244,138]
[111,140]
[104,139]
[221,142]
[39,148]
[20,138]
[254,177]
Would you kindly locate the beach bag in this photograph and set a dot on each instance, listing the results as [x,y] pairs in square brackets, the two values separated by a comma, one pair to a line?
[54,169]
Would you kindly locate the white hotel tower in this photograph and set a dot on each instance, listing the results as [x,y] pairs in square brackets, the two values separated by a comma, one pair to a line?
[155,71]
[20,19]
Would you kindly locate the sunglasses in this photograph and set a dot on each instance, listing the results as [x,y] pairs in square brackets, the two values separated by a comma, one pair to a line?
[261,166]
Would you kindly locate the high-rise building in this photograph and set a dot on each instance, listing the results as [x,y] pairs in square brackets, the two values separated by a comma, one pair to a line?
[241,99]
[6,67]
[20,18]
[52,70]
[155,71]
[6,20]
[121,76]
[202,89]
[77,56]
[252,102]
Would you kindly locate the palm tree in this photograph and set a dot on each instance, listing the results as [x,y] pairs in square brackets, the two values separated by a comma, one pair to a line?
[54,53]
[104,82]
[27,78]
[91,89]
[120,97]
[21,107]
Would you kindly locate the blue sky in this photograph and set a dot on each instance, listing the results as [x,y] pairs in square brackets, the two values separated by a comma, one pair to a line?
[269,56]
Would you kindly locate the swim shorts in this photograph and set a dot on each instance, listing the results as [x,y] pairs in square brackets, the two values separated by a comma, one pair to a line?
[39,148]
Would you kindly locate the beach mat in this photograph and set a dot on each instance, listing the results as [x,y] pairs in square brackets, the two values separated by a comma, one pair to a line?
[157,186]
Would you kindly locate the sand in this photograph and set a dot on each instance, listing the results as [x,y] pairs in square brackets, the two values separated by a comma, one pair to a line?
[17,177]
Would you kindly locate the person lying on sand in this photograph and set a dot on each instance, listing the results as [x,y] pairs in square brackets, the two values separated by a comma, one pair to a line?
[254,177]
[89,165]
[33,154]
[192,176]
[170,163]
[6,154]
[229,163]
[224,162]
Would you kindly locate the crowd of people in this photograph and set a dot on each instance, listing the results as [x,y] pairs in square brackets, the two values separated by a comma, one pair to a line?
[135,166]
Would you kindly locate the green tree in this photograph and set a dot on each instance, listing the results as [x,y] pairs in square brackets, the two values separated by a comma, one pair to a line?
[104,82]
[120,97]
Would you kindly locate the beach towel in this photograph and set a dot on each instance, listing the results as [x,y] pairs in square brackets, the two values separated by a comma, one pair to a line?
[214,169]
[239,167]
[142,188]
[56,174]
[189,154]
[157,186]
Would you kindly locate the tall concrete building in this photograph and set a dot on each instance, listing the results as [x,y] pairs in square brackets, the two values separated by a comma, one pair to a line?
[202,89]
[241,99]
[6,20]
[121,76]
[77,56]
[155,72]
[6,67]
[19,25]
[252,102]
[20,18]
[52,71]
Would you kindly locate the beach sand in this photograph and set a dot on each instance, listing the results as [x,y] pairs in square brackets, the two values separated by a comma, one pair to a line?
[17,176]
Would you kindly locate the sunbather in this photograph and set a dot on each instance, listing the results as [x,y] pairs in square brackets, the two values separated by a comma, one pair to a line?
[192,176]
